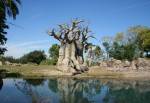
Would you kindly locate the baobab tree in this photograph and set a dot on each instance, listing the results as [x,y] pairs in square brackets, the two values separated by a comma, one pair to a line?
[73,40]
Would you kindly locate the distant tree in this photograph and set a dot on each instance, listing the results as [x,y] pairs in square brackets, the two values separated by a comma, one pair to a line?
[97,51]
[54,53]
[10,8]
[123,52]
[122,47]
[107,47]
[34,57]
[140,35]
[10,59]
[144,41]
[98,54]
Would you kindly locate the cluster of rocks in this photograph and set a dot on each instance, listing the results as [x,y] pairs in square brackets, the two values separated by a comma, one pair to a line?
[9,63]
[118,65]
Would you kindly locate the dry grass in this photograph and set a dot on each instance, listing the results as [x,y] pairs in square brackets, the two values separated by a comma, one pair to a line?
[51,71]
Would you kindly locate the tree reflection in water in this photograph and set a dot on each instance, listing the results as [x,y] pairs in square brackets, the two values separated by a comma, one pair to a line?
[71,90]
[27,88]
[1,83]
[75,90]
[128,92]
[35,82]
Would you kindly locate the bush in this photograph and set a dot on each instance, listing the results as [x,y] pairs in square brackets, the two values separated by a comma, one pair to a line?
[49,62]
[33,57]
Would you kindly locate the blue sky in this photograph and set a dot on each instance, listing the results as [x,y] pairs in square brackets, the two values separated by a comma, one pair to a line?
[104,17]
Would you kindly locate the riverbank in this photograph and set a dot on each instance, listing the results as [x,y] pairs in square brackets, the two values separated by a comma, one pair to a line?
[51,71]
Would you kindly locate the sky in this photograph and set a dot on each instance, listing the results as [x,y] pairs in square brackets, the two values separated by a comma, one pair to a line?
[104,17]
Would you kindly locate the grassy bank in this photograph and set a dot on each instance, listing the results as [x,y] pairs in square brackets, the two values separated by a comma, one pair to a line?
[51,71]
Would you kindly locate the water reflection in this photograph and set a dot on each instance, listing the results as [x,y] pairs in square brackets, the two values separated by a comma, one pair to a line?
[71,90]
[75,90]
[28,87]
[35,82]
[5,73]
[129,92]
[1,83]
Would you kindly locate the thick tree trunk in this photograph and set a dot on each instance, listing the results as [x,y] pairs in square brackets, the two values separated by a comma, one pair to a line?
[70,58]
[79,52]
[63,61]
[67,54]
[73,57]
[61,54]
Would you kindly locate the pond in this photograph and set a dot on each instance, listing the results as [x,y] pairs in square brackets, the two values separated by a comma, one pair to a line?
[73,90]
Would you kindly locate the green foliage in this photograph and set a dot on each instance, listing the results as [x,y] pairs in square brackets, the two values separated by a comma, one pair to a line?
[7,7]
[33,57]
[49,62]
[97,51]
[123,52]
[54,54]
[129,45]
[3,27]
[144,40]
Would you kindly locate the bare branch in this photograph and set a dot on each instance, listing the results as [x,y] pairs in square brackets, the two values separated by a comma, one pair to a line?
[52,33]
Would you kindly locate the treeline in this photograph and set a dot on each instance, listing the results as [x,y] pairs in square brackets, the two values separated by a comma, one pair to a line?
[129,45]
[36,56]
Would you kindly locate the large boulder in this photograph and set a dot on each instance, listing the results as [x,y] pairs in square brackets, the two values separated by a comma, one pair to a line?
[103,64]
[133,65]
[126,63]
[143,64]
[117,63]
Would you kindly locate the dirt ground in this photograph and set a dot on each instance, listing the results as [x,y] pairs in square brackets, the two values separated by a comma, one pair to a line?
[51,71]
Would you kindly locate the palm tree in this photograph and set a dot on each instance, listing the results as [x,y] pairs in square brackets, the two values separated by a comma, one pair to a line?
[10,7]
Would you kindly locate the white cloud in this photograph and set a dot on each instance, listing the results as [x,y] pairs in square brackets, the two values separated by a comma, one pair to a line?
[18,49]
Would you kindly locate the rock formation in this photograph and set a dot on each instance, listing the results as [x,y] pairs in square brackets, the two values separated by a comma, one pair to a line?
[141,64]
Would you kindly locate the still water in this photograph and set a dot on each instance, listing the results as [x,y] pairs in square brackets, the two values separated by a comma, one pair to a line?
[72,90]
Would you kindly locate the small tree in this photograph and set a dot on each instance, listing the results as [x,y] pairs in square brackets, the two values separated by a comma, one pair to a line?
[54,53]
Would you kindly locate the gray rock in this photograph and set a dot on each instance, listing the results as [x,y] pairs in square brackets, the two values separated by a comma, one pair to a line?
[103,64]
[143,64]
[133,66]
[126,64]
[118,62]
